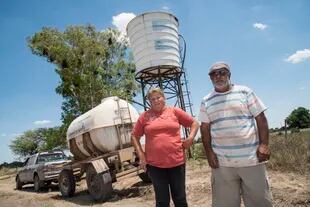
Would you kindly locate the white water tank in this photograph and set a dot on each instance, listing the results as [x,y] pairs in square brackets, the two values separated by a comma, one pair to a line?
[103,129]
[154,39]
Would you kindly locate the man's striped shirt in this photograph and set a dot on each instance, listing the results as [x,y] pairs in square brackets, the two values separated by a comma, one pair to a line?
[234,132]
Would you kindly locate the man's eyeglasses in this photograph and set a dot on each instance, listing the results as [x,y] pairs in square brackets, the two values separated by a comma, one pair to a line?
[222,72]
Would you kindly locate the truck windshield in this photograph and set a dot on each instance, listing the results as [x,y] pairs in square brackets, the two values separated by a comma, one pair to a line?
[50,157]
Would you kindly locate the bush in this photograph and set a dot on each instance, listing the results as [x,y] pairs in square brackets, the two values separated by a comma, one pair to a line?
[290,154]
[198,151]
[295,130]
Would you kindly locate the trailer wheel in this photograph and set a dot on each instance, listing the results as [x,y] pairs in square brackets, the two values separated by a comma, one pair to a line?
[145,177]
[99,185]
[66,183]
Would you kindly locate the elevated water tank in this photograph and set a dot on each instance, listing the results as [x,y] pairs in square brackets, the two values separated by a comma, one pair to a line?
[154,39]
[103,129]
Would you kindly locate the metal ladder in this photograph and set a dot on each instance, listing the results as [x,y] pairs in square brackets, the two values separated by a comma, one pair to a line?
[125,117]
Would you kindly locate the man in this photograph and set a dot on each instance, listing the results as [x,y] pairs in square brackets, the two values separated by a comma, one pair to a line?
[235,136]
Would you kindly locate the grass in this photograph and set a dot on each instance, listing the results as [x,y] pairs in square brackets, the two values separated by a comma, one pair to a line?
[290,154]
[7,171]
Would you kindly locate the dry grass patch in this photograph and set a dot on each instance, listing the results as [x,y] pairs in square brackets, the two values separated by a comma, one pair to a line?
[290,154]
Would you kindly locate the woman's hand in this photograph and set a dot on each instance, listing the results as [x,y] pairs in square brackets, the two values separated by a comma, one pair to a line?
[142,162]
[140,152]
[186,143]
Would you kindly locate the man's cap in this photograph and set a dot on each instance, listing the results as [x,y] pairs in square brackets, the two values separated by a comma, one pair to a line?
[219,65]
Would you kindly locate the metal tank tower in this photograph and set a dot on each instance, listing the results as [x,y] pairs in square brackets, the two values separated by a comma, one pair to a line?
[159,54]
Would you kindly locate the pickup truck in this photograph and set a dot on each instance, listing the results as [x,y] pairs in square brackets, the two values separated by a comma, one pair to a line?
[41,169]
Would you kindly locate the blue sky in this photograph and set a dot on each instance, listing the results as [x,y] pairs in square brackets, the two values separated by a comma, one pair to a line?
[267,44]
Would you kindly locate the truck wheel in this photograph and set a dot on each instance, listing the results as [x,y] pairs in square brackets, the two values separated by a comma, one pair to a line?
[99,185]
[145,177]
[48,183]
[66,183]
[37,183]
[19,184]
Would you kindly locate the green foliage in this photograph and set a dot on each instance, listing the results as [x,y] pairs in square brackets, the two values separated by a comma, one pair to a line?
[54,138]
[295,130]
[198,151]
[27,143]
[14,164]
[276,129]
[91,64]
[299,118]
[38,140]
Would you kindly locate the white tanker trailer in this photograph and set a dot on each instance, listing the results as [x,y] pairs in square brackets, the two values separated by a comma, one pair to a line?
[101,145]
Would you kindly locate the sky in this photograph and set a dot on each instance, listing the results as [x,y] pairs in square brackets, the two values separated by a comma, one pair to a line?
[266,43]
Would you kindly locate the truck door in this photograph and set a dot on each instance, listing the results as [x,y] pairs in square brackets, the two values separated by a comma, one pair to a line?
[29,168]
[22,173]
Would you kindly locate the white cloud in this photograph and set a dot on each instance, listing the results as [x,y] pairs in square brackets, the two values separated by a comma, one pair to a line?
[260,26]
[42,122]
[302,88]
[121,20]
[3,135]
[299,56]
[165,8]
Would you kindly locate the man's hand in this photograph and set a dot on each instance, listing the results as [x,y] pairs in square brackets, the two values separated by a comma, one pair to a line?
[212,159]
[186,143]
[206,140]
[263,153]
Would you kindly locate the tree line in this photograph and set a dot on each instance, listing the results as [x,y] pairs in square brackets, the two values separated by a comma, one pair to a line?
[298,119]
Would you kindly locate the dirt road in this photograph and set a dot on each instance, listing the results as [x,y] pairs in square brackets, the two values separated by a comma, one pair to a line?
[288,190]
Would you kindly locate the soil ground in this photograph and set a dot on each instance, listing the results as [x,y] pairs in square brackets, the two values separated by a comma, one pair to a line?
[288,190]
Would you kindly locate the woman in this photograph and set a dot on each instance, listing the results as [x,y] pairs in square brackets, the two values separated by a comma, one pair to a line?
[164,157]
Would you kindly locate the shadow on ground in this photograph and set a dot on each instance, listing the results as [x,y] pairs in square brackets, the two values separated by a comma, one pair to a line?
[83,198]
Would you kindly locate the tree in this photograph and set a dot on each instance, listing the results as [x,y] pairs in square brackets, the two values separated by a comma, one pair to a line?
[38,140]
[54,138]
[28,143]
[92,65]
[299,118]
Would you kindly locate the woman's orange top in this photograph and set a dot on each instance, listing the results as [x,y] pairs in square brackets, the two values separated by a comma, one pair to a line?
[163,146]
